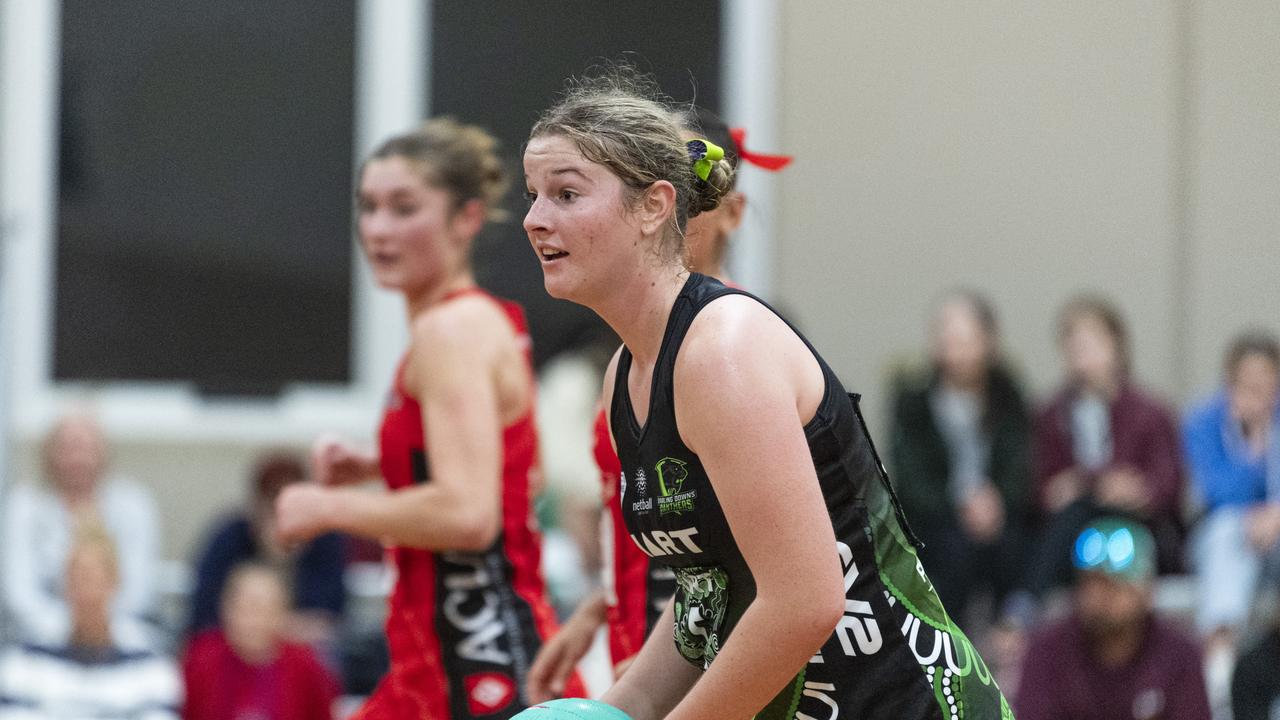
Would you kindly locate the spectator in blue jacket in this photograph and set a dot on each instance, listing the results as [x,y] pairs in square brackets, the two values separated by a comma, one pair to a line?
[1233,452]
[314,571]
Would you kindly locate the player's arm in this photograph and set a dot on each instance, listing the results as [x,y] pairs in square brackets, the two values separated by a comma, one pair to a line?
[657,678]
[743,412]
[452,371]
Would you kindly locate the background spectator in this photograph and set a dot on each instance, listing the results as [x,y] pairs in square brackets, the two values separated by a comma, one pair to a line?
[1112,658]
[247,669]
[315,569]
[961,447]
[40,523]
[97,670]
[1233,452]
[1103,444]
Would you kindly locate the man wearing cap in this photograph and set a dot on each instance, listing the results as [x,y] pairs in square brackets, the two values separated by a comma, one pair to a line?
[1111,658]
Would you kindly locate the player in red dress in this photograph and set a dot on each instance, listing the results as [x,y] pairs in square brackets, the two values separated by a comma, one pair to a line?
[457,449]
[636,590]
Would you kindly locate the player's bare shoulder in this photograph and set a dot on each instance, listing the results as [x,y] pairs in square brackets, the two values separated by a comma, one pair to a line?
[731,334]
[472,325]
[465,339]
[738,357]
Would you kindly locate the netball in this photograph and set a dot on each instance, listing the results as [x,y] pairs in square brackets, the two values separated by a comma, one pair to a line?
[572,709]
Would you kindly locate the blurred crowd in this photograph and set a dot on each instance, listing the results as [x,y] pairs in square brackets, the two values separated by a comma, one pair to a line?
[1014,497]
[85,631]
[1013,500]
[1115,557]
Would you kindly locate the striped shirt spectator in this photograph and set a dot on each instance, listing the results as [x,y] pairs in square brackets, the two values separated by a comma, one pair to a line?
[39,682]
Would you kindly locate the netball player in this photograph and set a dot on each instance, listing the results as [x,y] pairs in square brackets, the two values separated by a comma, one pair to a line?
[637,589]
[745,466]
[457,443]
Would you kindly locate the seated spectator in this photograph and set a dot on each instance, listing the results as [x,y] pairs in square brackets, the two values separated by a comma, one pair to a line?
[247,669]
[1233,451]
[1103,445]
[1255,688]
[39,524]
[1112,658]
[98,670]
[961,447]
[315,570]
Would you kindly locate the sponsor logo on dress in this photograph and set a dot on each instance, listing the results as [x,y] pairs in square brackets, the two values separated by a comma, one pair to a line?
[672,497]
[642,504]
[700,605]
[857,627]
[674,542]
[489,692]
[472,608]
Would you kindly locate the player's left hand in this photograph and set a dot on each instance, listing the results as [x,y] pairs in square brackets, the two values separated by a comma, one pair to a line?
[560,654]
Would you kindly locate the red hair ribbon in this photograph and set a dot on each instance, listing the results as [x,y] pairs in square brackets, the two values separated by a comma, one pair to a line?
[772,163]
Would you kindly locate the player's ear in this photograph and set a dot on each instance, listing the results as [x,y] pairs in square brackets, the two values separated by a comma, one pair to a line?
[656,207]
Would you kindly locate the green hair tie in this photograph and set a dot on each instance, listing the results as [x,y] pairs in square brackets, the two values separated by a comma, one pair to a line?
[704,155]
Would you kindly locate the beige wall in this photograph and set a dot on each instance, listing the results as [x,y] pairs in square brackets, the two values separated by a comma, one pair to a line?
[1235,209]
[1030,150]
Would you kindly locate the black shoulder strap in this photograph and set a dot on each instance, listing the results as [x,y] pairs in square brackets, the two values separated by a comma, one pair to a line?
[688,304]
[621,396]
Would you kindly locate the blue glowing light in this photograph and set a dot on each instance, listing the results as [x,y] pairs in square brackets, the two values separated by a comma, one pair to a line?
[1121,549]
[1090,548]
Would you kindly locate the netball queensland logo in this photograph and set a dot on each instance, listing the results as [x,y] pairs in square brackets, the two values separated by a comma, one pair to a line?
[641,503]
[672,497]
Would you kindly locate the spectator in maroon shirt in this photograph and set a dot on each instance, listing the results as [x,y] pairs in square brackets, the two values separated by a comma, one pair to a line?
[1102,445]
[245,668]
[1112,658]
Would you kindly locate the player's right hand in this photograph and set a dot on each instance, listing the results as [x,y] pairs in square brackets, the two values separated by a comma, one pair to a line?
[303,511]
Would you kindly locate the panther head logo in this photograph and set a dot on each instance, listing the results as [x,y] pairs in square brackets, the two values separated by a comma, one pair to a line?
[671,475]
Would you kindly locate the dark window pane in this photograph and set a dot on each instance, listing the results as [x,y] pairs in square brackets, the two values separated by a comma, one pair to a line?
[204,217]
[499,64]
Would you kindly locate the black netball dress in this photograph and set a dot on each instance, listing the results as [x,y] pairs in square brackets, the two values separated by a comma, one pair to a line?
[895,653]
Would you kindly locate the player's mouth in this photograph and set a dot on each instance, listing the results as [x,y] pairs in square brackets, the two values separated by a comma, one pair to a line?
[550,254]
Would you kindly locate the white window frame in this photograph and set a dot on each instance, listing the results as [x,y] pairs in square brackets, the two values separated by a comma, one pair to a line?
[391,95]
[749,62]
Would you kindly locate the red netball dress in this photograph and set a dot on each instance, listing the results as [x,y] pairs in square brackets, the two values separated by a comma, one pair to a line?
[463,627]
